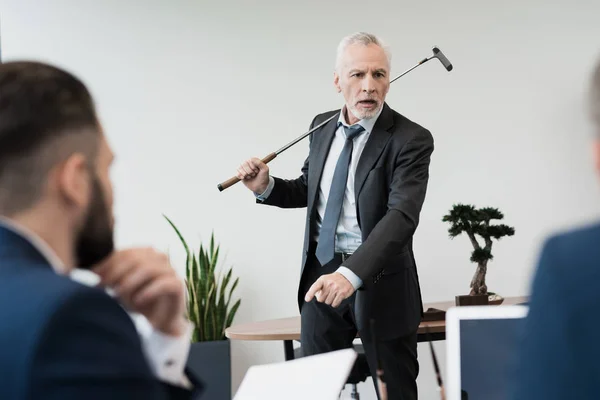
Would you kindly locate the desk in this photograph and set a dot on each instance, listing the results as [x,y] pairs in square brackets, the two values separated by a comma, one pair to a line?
[288,329]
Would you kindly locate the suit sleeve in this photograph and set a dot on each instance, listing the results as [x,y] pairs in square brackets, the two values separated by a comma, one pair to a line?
[407,194]
[91,350]
[291,193]
[547,366]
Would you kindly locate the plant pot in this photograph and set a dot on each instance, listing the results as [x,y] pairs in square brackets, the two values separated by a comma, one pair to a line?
[495,299]
[211,362]
[472,300]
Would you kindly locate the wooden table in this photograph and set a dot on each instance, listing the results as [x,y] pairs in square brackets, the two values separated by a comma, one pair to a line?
[288,329]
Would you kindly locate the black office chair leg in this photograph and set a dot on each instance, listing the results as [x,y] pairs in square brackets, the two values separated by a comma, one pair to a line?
[354,394]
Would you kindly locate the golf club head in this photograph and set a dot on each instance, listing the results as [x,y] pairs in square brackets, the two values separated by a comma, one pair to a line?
[437,53]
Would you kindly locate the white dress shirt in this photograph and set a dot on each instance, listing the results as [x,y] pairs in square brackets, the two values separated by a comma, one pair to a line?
[166,355]
[348,234]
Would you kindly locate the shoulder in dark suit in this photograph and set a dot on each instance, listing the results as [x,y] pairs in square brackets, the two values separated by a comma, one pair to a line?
[63,340]
[560,352]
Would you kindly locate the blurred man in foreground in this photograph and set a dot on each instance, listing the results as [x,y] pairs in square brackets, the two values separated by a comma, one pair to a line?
[60,339]
[558,358]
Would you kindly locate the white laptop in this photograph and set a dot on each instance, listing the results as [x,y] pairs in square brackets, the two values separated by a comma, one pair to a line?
[481,349]
[319,377]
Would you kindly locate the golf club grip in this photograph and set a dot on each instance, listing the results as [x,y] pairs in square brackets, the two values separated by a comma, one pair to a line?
[232,181]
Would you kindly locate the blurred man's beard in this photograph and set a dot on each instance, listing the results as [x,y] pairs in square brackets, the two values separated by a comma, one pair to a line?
[95,241]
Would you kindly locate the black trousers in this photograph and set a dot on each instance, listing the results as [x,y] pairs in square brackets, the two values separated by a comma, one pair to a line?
[325,329]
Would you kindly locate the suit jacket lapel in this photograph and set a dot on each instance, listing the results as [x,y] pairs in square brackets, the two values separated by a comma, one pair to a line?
[322,140]
[373,148]
[15,247]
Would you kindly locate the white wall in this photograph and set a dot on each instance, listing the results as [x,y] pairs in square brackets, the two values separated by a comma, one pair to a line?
[188,89]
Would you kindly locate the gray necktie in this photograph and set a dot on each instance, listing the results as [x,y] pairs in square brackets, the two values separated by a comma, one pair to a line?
[326,246]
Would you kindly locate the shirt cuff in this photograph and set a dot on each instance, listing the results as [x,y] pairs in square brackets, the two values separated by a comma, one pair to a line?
[264,195]
[167,355]
[351,276]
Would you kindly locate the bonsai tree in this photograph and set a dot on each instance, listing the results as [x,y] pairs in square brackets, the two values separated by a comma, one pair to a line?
[209,305]
[472,221]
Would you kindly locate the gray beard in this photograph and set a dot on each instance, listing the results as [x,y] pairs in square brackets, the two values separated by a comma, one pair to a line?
[364,114]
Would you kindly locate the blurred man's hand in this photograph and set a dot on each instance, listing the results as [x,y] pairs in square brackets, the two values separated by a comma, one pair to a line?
[144,281]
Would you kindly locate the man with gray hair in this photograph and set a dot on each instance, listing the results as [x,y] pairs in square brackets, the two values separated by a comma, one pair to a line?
[363,184]
[559,351]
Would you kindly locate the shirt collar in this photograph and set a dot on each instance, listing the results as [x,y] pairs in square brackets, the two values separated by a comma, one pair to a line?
[367,124]
[37,242]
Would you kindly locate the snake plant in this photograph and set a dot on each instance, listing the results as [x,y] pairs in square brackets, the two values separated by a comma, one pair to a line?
[208,293]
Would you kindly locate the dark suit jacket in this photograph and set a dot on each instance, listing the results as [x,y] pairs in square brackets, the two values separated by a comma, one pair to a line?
[390,186]
[560,351]
[61,340]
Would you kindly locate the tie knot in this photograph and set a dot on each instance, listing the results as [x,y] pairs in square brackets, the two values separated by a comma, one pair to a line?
[353,131]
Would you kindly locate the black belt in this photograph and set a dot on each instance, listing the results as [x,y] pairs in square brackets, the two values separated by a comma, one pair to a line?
[342,257]
[339,257]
